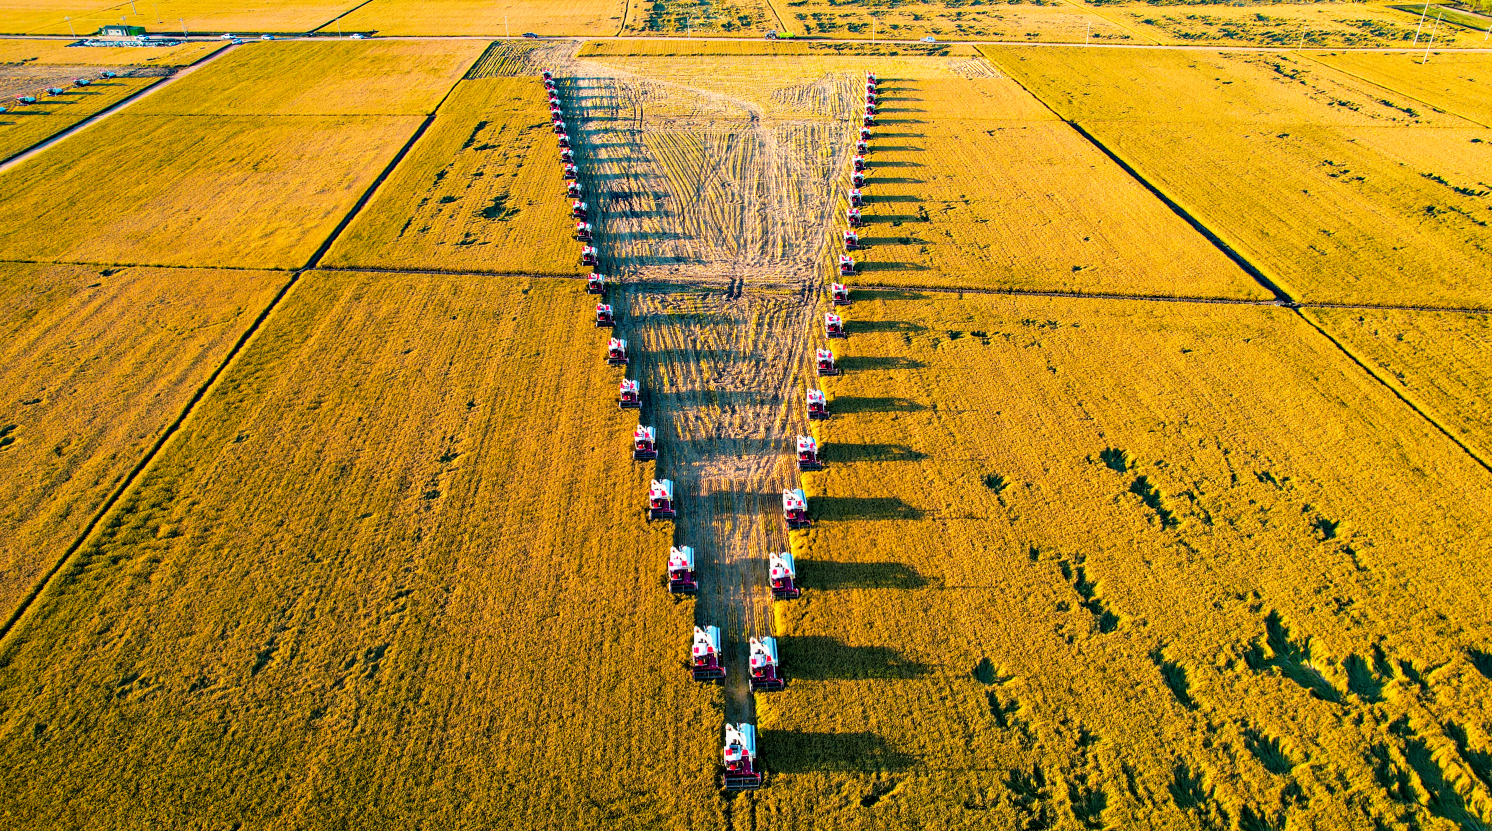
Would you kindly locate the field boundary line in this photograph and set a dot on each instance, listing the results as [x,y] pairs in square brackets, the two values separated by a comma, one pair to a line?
[140,467]
[27,152]
[316,29]
[1436,107]
[1401,395]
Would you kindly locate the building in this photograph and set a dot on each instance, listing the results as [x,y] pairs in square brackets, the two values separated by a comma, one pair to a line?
[119,30]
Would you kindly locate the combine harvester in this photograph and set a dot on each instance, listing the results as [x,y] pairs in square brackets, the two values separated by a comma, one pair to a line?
[704,655]
[857,199]
[605,317]
[559,124]
[596,284]
[808,453]
[588,255]
[766,673]
[573,190]
[784,575]
[644,443]
[580,210]
[566,156]
[563,139]
[616,352]
[742,773]
[660,500]
[846,265]
[825,361]
[840,294]
[860,159]
[834,326]
[681,571]
[857,179]
[851,241]
[569,171]
[583,232]
[795,509]
[852,216]
[863,147]
[629,397]
[818,406]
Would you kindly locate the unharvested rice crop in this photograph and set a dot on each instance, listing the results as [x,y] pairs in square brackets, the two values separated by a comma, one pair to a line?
[242,191]
[480,192]
[665,48]
[1036,21]
[1281,25]
[49,52]
[477,17]
[972,183]
[1448,80]
[1335,193]
[49,17]
[687,17]
[96,364]
[1097,564]
[26,125]
[398,550]
[370,77]
[1436,360]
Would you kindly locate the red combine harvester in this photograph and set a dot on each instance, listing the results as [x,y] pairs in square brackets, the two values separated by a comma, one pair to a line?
[818,406]
[766,674]
[583,231]
[580,210]
[862,147]
[825,360]
[644,444]
[616,352]
[795,509]
[852,216]
[569,171]
[704,654]
[566,156]
[851,241]
[865,133]
[547,75]
[783,573]
[846,264]
[556,112]
[857,199]
[573,190]
[595,284]
[840,294]
[605,317]
[559,125]
[858,178]
[681,571]
[564,139]
[629,396]
[660,500]
[549,83]
[741,770]
[870,106]
[860,160]
[808,454]
[588,255]
[870,120]
[834,326]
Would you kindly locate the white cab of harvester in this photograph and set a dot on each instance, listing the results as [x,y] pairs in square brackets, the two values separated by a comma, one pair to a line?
[766,672]
[644,443]
[605,317]
[583,231]
[660,500]
[795,508]
[846,264]
[681,570]
[783,574]
[852,215]
[616,352]
[742,773]
[704,654]
[808,454]
[629,395]
[579,210]
[840,294]
[588,255]
[834,326]
[824,359]
[857,199]
[569,171]
[818,405]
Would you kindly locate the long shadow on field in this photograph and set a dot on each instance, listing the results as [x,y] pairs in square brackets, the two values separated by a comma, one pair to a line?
[892,180]
[893,219]
[881,163]
[899,135]
[860,326]
[821,658]
[724,445]
[871,242]
[902,121]
[849,404]
[797,751]
[901,109]
[872,199]
[873,266]
[861,363]
[846,453]
[822,575]
[903,148]
[678,399]
[841,508]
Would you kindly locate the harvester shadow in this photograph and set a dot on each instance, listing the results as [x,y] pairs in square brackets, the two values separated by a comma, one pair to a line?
[821,658]
[850,404]
[676,400]
[901,121]
[901,109]
[872,266]
[798,751]
[893,220]
[859,326]
[871,199]
[899,135]
[888,294]
[866,242]
[882,164]
[831,576]
[844,508]
[896,97]
[628,236]
[854,363]
[897,149]
[847,453]
[893,180]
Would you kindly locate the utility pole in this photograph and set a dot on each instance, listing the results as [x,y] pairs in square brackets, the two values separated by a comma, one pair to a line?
[1421,25]
[872,29]
[1432,39]
[507,33]
[134,11]
[70,26]
[182,21]
[1088,34]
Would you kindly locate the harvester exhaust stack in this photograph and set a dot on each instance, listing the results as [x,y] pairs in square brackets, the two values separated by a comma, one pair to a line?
[704,654]
[681,570]
[784,576]
[660,500]
[742,772]
[629,396]
[766,673]
[808,454]
[644,443]
[795,509]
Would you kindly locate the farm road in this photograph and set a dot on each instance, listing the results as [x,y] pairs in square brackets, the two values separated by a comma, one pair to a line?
[714,210]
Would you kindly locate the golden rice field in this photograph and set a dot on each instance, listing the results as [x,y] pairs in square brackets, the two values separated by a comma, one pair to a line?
[369,77]
[1280,25]
[54,52]
[394,550]
[1436,360]
[1336,190]
[97,364]
[1035,21]
[1447,80]
[475,17]
[1085,564]
[49,17]
[682,17]
[25,125]
[480,192]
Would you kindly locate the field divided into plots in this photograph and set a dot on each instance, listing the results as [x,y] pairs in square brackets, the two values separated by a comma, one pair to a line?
[50,17]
